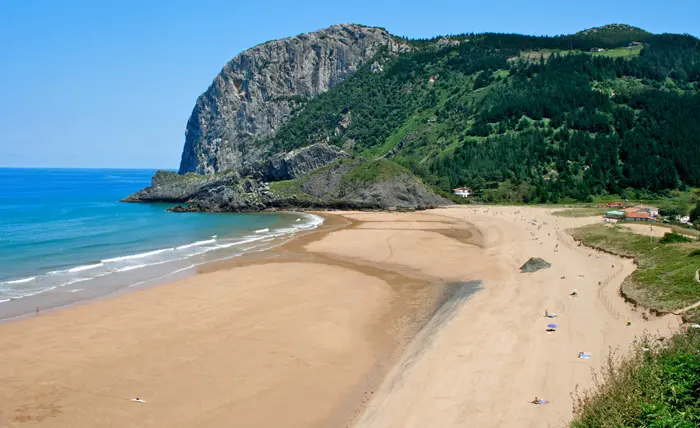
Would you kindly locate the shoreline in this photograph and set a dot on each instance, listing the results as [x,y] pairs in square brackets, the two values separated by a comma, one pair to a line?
[126,281]
[405,300]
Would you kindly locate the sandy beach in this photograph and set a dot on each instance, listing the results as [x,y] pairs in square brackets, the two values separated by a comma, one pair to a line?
[374,320]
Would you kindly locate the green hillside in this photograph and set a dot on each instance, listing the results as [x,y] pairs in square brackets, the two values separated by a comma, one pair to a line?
[614,34]
[522,118]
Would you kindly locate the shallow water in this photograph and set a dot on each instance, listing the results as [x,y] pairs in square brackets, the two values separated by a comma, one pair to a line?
[64,230]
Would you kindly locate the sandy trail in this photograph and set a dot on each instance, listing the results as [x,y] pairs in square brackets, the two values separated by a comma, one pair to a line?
[484,366]
[647,229]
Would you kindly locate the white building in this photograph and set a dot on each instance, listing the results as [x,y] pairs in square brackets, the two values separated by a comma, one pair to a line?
[462,192]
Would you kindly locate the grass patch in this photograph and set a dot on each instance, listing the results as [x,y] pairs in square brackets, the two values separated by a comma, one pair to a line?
[582,212]
[374,171]
[287,188]
[621,52]
[665,277]
[655,388]
[674,238]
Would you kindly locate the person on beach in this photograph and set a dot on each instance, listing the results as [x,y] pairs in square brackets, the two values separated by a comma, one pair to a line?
[574,293]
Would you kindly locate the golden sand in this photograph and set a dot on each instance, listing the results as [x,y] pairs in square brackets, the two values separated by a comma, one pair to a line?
[324,331]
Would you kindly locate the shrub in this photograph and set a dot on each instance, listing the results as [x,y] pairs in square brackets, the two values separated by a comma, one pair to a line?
[659,387]
[673,237]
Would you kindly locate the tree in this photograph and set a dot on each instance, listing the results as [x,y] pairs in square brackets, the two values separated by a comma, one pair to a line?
[695,213]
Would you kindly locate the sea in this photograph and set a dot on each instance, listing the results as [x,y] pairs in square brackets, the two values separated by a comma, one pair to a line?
[64,233]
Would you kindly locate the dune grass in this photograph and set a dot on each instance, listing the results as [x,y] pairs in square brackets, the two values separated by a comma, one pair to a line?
[665,276]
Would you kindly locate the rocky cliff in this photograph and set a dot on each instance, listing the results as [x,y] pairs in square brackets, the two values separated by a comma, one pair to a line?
[227,164]
[169,186]
[336,186]
[259,89]
[288,166]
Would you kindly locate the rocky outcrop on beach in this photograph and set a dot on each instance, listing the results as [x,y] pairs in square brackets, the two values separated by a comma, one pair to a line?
[331,187]
[260,88]
[169,186]
[534,264]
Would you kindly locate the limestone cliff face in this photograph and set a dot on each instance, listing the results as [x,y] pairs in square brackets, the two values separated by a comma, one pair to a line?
[257,90]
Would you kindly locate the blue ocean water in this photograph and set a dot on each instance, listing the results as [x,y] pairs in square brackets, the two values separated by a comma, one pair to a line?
[59,227]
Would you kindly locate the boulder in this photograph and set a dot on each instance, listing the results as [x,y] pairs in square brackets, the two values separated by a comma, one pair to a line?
[534,264]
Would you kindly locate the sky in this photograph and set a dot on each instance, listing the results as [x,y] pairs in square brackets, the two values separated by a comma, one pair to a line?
[111,84]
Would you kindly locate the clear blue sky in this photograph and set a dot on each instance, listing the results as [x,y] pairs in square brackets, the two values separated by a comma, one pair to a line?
[106,83]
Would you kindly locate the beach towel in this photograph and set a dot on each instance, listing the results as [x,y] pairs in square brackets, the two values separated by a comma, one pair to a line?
[138,400]
[584,355]
[551,315]
[552,325]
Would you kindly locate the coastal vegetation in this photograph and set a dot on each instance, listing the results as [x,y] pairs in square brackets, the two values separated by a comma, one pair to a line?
[656,385]
[665,276]
[487,111]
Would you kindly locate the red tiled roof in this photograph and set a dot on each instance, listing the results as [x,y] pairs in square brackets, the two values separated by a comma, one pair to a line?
[641,214]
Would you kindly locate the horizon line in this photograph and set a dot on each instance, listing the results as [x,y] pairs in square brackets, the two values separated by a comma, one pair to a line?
[85,167]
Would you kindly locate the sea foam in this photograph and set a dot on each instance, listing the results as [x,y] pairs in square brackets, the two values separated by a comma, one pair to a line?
[19,281]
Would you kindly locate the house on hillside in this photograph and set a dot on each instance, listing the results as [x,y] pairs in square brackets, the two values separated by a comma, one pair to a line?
[462,192]
[638,213]
[638,216]
[632,44]
[641,213]
[615,215]
[597,50]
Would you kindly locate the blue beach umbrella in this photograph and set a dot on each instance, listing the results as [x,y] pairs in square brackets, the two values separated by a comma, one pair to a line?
[552,325]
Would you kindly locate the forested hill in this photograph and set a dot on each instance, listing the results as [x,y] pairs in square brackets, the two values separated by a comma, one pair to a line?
[520,118]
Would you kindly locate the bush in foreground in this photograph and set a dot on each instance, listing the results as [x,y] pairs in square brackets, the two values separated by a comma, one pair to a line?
[673,237]
[657,385]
